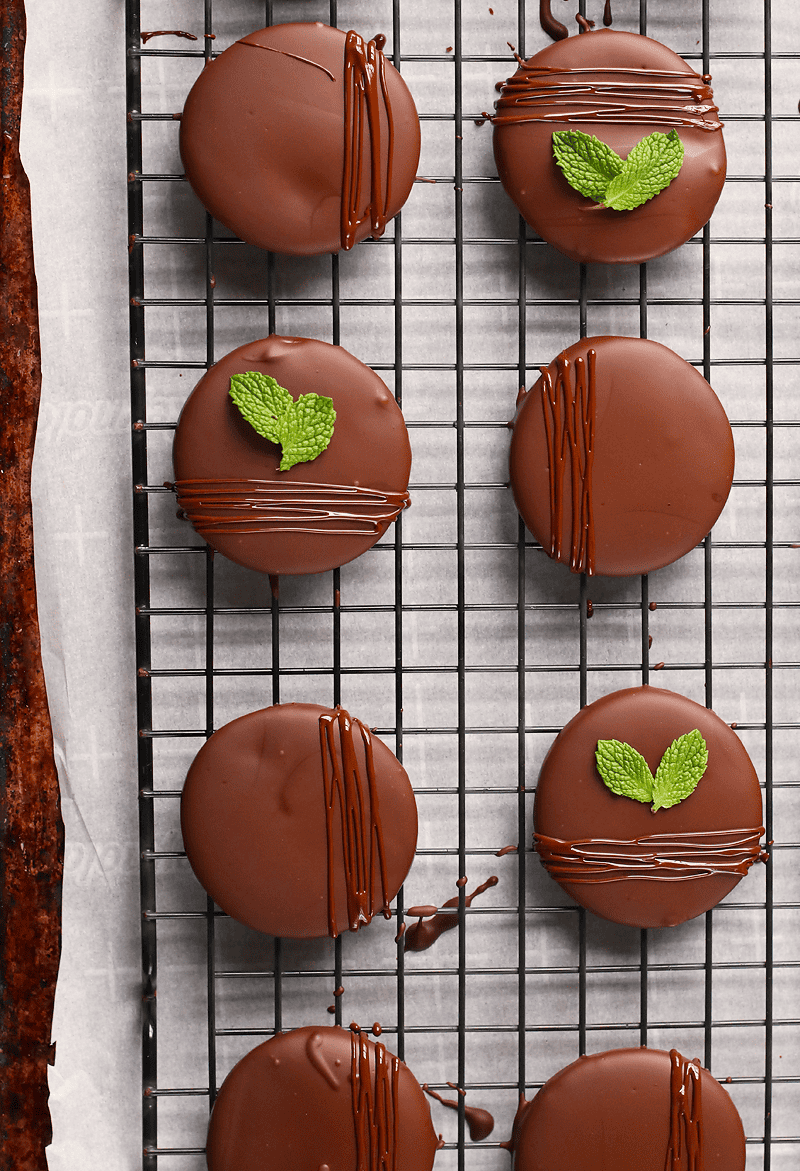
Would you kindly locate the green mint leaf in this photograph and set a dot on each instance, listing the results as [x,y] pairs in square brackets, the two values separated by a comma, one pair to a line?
[624,770]
[588,164]
[307,430]
[262,402]
[302,428]
[649,168]
[680,770]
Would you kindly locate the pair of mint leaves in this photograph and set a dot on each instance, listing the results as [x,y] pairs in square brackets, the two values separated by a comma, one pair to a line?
[626,772]
[302,427]
[597,171]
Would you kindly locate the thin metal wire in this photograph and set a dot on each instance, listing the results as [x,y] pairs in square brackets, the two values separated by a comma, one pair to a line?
[529,916]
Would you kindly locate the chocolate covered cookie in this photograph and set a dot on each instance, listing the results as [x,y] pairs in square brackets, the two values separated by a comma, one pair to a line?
[298,821]
[619,88]
[648,808]
[630,1110]
[621,457]
[301,138]
[320,1098]
[325,509]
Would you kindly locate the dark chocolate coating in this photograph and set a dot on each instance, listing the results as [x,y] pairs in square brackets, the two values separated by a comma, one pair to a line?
[569,221]
[262,139]
[573,803]
[663,458]
[279,1109]
[253,822]
[611,1112]
[369,447]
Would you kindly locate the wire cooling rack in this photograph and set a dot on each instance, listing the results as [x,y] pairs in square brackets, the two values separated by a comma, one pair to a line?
[456,637]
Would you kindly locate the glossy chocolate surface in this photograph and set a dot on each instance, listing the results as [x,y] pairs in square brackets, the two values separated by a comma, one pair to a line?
[565,218]
[369,455]
[290,1105]
[620,1111]
[574,805]
[662,459]
[265,131]
[256,830]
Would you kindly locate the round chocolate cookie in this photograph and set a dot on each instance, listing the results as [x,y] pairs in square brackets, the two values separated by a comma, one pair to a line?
[320,513]
[320,1099]
[618,87]
[301,138]
[298,821]
[630,1110]
[611,852]
[621,457]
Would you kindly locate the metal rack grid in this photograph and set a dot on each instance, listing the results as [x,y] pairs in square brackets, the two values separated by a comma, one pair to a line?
[496,679]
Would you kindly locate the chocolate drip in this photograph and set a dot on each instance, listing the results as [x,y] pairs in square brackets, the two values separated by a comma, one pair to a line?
[676,857]
[314,1045]
[361,828]
[586,26]
[285,53]
[374,1107]
[424,933]
[554,28]
[267,506]
[479,1121]
[569,417]
[608,94]
[685,1115]
[607,17]
[364,89]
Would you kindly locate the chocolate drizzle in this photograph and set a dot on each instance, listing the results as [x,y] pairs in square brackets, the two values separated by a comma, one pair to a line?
[269,506]
[285,53]
[676,857]
[554,28]
[374,1106]
[361,829]
[685,1115]
[569,418]
[607,94]
[364,89]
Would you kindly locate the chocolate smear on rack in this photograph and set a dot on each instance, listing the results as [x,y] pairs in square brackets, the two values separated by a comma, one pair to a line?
[31,829]
[167,32]
[424,933]
[479,1121]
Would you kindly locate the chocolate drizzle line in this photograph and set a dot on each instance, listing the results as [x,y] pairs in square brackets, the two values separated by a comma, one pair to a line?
[364,88]
[685,1115]
[608,94]
[675,857]
[31,829]
[361,828]
[569,417]
[285,53]
[374,1106]
[269,506]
